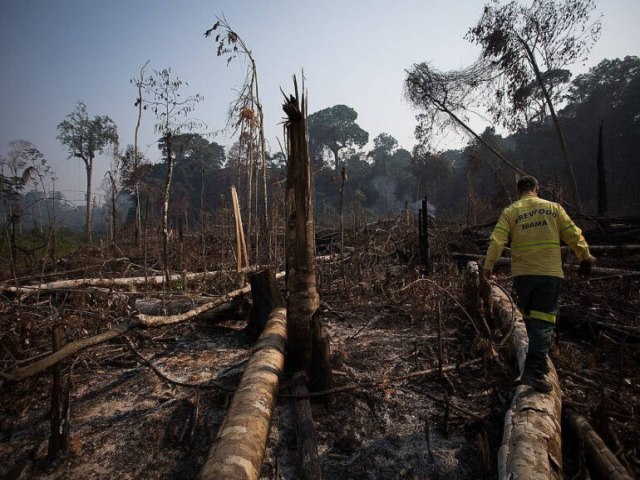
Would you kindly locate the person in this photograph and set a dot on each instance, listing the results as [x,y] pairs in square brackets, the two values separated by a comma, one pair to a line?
[535,227]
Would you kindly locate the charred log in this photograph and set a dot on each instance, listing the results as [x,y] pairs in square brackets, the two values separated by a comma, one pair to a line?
[239,447]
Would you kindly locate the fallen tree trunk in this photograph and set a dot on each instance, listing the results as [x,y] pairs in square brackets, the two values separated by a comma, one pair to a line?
[601,461]
[566,267]
[238,450]
[236,308]
[68,350]
[531,443]
[158,320]
[155,280]
[107,282]
[616,250]
[120,282]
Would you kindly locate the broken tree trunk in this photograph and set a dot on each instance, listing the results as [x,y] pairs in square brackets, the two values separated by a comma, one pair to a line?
[300,250]
[305,432]
[68,350]
[531,443]
[238,450]
[59,439]
[265,294]
[235,309]
[601,461]
[241,244]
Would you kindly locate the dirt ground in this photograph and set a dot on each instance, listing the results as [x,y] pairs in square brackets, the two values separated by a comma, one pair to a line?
[385,320]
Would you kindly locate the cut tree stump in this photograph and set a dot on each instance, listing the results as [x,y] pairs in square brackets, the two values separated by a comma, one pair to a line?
[238,450]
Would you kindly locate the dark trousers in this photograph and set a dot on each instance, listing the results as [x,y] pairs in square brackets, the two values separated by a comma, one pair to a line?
[538,300]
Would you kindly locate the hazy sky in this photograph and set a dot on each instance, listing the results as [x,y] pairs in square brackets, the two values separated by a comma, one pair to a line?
[353,52]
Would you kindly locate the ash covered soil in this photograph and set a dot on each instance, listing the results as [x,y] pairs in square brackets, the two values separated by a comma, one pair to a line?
[385,321]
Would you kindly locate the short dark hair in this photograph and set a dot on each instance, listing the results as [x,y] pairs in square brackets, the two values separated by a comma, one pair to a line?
[527,183]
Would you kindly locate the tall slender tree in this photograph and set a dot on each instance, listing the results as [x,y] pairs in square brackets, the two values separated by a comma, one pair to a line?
[85,138]
[172,117]
[246,114]
[527,42]
[136,158]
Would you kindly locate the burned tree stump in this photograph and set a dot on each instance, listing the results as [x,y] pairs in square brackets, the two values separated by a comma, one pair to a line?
[423,236]
[266,296]
[59,439]
[300,249]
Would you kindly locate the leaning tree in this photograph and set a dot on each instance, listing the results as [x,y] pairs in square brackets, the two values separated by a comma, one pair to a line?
[448,99]
[85,138]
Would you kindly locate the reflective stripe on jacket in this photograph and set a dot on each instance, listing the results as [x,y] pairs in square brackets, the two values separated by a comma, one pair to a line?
[535,227]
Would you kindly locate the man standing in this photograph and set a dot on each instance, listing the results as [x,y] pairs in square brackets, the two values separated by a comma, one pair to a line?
[535,228]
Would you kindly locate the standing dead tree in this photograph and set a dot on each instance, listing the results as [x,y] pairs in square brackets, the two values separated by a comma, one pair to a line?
[136,158]
[300,246]
[309,343]
[164,99]
[245,113]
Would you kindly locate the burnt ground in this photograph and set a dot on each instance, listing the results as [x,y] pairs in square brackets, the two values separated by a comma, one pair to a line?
[383,319]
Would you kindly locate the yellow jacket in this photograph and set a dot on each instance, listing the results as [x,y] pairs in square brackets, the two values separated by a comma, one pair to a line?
[535,227]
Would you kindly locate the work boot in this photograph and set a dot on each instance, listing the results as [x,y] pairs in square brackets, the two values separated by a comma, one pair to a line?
[535,368]
[538,383]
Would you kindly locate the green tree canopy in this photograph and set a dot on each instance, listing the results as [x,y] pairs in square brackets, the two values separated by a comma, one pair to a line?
[335,128]
[85,138]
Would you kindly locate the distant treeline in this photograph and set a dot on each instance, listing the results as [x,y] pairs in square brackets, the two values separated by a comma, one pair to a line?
[469,184]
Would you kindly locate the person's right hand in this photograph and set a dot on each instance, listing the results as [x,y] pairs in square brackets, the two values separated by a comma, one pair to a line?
[585,266]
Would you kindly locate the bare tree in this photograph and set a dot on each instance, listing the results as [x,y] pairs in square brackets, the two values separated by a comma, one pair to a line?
[246,114]
[172,117]
[136,158]
[447,99]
